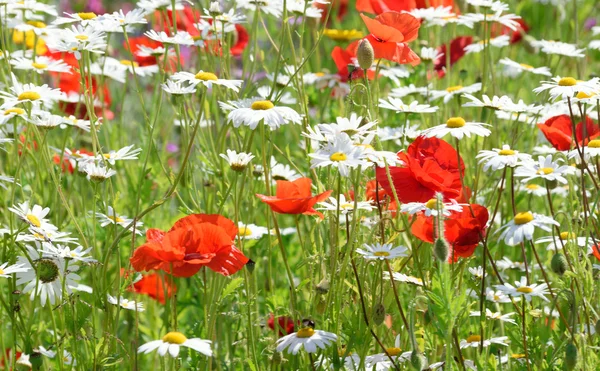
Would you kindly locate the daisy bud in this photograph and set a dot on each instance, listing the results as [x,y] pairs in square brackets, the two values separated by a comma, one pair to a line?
[378,313]
[570,356]
[440,250]
[418,360]
[323,286]
[365,54]
[559,264]
[215,8]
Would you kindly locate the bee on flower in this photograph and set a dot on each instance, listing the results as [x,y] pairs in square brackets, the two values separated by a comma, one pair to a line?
[306,337]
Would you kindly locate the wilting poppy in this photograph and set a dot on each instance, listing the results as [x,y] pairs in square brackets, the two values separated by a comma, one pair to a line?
[285,324]
[462,230]
[389,34]
[457,51]
[431,166]
[559,132]
[294,198]
[193,242]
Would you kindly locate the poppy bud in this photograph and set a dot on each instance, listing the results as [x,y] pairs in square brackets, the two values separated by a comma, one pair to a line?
[440,250]
[323,286]
[378,313]
[418,360]
[559,264]
[365,54]
[250,265]
[570,356]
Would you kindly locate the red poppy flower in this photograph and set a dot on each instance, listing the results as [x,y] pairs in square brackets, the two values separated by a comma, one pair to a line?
[342,59]
[515,35]
[285,324]
[193,242]
[596,250]
[339,9]
[372,193]
[134,46]
[294,198]
[155,287]
[462,230]
[431,166]
[457,51]
[380,6]
[559,131]
[389,34]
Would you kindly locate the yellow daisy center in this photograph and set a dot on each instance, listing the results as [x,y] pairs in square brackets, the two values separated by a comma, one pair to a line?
[506,152]
[244,231]
[473,339]
[517,356]
[305,332]
[381,253]
[207,76]
[496,298]
[525,290]
[338,157]
[39,66]
[567,81]
[431,203]
[37,24]
[262,105]
[29,95]
[346,206]
[82,37]
[342,35]
[87,16]
[33,220]
[545,171]
[16,111]
[125,62]
[452,89]
[594,143]
[582,95]
[526,66]
[455,122]
[174,338]
[567,235]
[365,146]
[523,218]
[116,219]
[393,351]
[1,271]
[533,187]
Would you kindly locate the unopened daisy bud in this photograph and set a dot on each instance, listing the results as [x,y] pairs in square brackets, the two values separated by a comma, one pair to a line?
[570,356]
[365,54]
[378,313]
[323,286]
[258,171]
[559,264]
[418,360]
[237,161]
[215,8]
[441,250]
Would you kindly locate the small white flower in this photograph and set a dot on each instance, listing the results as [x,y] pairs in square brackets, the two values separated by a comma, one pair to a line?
[474,341]
[6,270]
[496,296]
[458,128]
[180,38]
[559,48]
[381,361]
[454,91]
[396,104]
[401,277]
[477,272]
[251,112]
[308,338]
[497,42]
[40,65]
[125,303]
[521,288]
[522,226]
[208,79]
[522,67]
[380,251]
[173,341]
[496,316]
[111,217]
[125,153]
[567,87]
[498,159]
[430,54]
[251,231]
[66,253]
[340,153]
[25,93]
[97,172]
[36,216]
[545,168]
[430,208]
[345,206]
[237,161]
[178,87]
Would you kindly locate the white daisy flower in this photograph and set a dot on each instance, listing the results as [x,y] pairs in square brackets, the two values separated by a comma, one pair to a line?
[522,227]
[498,316]
[271,7]
[177,87]
[454,91]
[251,112]
[545,168]
[536,190]
[496,42]
[180,38]
[403,91]
[97,172]
[340,153]
[493,5]
[430,208]
[496,296]
[345,206]
[133,17]
[207,79]
[304,8]
[23,93]
[251,231]
[67,357]
[66,253]
[431,14]
[458,128]
[477,272]
[111,217]
[40,65]
[558,48]
[505,263]
[565,238]
[45,120]
[517,68]
[590,152]
[7,179]
[77,39]
[495,102]
[150,6]
[381,361]
[396,104]
[508,20]
[567,87]
[83,18]
[401,277]
[281,171]
[521,288]
[6,270]
[430,54]
[473,341]
[308,338]
[35,217]
[125,153]
[40,235]
[353,126]
[380,251]
[9,113]
[237,161]
[125,303]
[173,341]
[498,159]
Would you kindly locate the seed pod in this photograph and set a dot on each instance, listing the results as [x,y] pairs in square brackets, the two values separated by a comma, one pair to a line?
[440,250]
[559,264]
[378,313]
[418,360]
[570,356]
[365,54]
[250,265]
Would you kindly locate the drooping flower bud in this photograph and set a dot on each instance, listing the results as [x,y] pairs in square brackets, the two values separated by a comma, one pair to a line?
[365,54]
[571,356]
[418,360]
[441,250]
[378,313]
[559,264]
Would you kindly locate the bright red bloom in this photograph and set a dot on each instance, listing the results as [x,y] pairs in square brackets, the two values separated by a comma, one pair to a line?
[559,132]
[389,34]
[372,192]
[462,230]
[134,46]
[342,58]
[457,51]
[154,286]
[294,198]
[193,242]
[515,36]
[339,7]
[285,324]
[430,166]
[380,6]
